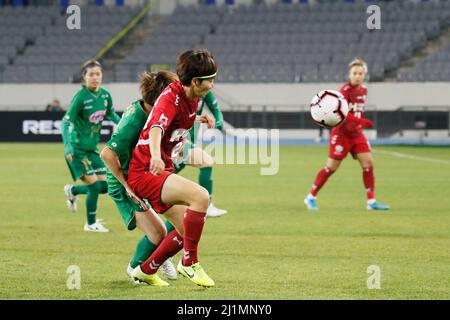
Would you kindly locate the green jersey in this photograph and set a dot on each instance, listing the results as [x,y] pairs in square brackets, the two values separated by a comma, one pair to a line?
[126,137]
[211,102]
[86,113]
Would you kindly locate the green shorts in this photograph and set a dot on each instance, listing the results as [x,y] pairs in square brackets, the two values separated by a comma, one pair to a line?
[126,206]
[85,163]
[178,166]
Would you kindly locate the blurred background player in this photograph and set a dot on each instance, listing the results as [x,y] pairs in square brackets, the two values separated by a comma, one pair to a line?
[183,202]
[80,128]
[349,137]
[117,156]
[196,157]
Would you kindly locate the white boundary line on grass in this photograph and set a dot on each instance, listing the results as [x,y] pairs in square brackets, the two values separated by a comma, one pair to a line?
[409,156]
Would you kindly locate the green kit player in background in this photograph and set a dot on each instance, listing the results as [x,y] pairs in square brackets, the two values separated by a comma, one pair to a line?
[117,155]
[196,157]
[80,128]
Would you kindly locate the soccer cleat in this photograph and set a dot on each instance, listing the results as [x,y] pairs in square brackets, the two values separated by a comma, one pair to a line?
[311,203]
[196,274]
[150,279]
[377,206]
[96,227]
[71,199]
[168,269]
[130,274]
[215,212]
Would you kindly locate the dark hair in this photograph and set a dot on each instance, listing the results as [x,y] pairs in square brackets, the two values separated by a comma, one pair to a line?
[89,64]
[153,83]
[195,63]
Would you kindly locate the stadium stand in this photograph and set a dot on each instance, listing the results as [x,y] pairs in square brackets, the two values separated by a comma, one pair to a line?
[294,42]
[43,49]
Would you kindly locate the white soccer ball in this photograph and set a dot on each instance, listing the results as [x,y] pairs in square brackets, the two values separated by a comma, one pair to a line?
[329,108]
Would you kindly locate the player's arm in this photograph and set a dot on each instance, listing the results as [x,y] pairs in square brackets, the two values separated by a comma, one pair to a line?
[366,123]
[110,112]
[157,165]
[111,161]
[211,101]
[66,123]
[204,118]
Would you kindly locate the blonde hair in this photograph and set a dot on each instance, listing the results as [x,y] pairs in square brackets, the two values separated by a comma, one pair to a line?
[358,63]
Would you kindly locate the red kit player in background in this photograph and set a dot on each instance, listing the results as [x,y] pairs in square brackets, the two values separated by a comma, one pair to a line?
[183,202]
[349,137]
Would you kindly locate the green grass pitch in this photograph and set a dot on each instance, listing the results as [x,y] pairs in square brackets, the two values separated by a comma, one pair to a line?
[267,247]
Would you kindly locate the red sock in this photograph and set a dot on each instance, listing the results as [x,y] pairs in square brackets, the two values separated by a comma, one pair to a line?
[321,178]
[169,246]
[193,223]
[369,182]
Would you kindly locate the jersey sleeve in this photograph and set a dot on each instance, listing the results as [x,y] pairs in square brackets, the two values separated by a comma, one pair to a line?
[68,120]
[121,139]
[163,114]
[211,101]
[110,112]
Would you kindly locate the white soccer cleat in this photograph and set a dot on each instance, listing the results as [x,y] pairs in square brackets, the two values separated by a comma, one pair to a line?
[168,269]
[71,199]
[215,212]
[96,227]
[130,274]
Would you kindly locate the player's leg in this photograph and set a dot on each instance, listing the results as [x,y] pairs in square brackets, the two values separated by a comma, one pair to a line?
[92,225]
[155,231]
[177,190]
[322,177]
[171,244]
[204,162]
[77,167]
[367,164]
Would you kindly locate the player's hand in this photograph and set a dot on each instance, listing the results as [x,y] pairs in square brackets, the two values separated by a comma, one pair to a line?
[157,166]
[69,157]
[366,123]
[204,118]
[136,199]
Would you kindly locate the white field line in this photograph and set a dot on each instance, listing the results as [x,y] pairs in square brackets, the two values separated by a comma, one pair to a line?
[411,157]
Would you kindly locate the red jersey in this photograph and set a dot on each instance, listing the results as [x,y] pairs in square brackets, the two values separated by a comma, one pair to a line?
[175,114]
[356,98]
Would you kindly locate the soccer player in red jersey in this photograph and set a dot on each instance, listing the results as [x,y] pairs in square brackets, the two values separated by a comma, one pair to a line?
[349,137]
[151,175]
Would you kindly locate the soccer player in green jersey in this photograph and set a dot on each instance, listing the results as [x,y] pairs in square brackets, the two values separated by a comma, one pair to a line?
[117,155]
[196,157]
[80,128]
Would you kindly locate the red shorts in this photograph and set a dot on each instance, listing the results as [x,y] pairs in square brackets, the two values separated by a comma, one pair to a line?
[148,186]
[341,145]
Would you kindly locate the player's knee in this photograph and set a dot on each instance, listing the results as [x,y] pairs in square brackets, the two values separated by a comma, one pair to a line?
[159,234]
[201,198]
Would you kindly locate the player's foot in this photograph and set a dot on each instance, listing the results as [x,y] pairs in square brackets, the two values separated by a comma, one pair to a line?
[95,227]
[377,206]
[130,274]
[71,199]
[311,203]
[168,269]
[196,274]
[150,279]
[215,212]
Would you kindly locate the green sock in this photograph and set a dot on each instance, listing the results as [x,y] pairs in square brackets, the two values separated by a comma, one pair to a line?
[102,187]
[145,248]
[82,189]
[91,203]
[205,180]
